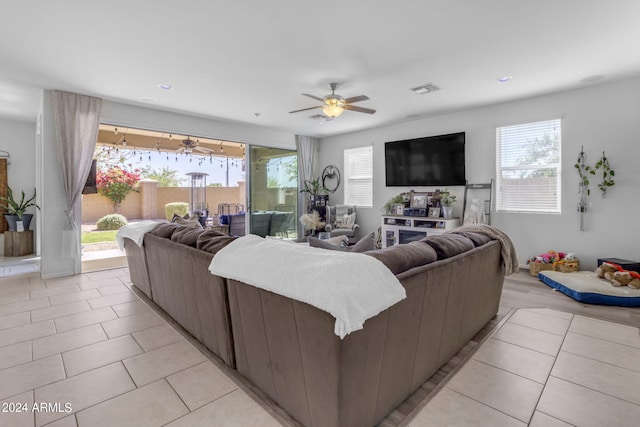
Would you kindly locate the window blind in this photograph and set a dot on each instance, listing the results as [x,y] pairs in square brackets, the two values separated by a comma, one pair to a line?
[528,167]
[358,173]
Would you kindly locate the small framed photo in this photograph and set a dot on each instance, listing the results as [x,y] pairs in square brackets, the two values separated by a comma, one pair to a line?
[419,200]
[434,212]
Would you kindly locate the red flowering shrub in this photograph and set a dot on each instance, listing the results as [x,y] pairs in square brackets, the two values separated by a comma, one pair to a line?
[115,183]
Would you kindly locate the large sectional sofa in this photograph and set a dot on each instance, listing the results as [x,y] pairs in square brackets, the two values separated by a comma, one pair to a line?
[289,350]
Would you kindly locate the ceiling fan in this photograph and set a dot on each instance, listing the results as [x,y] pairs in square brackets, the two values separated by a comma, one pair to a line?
[189,145]
[334,104]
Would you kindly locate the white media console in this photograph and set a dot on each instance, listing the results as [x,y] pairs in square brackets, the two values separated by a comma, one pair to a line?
[398,229]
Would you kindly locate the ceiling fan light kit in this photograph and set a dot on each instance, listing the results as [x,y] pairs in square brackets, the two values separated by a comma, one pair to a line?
[334,105]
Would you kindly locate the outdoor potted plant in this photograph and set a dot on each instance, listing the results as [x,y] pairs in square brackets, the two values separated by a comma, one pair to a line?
[16,210]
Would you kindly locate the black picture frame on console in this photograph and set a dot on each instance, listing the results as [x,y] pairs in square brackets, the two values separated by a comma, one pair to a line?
[429,161]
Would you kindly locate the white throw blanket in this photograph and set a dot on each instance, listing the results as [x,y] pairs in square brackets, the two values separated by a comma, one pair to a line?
[135,232]
[507,251]
[352,287]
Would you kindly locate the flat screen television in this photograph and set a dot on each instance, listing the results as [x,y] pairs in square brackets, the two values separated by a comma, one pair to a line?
[429,161]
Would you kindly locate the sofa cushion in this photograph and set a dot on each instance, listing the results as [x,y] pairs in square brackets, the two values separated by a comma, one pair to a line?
[330,244]
[348,221]
[212,241]
[367,243]
[340,241]
[448,245]
[164,230]
[478,239]
[187,236]
[176,216]
[399,258]
[191,222]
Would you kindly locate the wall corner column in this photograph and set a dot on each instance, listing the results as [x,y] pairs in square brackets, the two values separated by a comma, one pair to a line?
[148,198]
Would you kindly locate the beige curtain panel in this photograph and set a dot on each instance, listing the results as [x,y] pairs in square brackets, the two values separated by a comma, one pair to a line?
[77,119]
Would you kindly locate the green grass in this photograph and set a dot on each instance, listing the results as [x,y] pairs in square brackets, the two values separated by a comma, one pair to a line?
[99,236]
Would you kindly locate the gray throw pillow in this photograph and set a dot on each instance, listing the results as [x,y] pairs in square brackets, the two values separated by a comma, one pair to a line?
[332,244]
[187,236]
[367,243]
[192,223]
[164,230]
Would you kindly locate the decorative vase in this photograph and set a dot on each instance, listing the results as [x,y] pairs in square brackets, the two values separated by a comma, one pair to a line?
[26,220]
[12,220]
[447,212]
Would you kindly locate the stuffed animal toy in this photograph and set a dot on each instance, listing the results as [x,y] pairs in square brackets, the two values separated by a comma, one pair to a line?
[621,278]
[634,283]
[618,276]
[606,270]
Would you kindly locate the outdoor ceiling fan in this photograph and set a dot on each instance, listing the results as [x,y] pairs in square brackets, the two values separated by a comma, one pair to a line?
[189,146]
[334,104]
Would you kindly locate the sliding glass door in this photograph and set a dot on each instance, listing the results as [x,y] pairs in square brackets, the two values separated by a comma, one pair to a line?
[273,194]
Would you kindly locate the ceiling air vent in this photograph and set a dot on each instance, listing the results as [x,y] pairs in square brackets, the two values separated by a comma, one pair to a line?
[427,88]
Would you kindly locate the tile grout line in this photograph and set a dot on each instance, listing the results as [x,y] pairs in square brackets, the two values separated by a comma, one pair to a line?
[442,384]
[606,340]
[555,360]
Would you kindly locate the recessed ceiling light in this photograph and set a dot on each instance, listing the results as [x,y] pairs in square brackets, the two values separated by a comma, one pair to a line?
[165,86]
[504,79]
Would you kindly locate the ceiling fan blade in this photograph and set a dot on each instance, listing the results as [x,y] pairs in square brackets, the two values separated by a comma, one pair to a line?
[203,150]
[313,97]
[305,109]
[356,99]
[359,109]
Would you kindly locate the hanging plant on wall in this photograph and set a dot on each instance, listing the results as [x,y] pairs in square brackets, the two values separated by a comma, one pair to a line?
[583,186]
[607,174]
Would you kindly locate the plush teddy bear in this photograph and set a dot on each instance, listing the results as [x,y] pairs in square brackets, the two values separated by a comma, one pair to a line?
[621,278]
[617,276]
[606,270]
[634,283]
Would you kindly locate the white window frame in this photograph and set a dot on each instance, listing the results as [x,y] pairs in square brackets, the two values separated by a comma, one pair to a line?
[527,194]
[358,176]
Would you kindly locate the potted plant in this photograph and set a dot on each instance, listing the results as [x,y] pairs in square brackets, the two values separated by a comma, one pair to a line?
[390,206]
[447,199]
[16,211]
[317,193]
[607,174]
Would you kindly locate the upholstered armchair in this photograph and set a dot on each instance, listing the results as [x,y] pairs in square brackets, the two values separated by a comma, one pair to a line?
[341,221]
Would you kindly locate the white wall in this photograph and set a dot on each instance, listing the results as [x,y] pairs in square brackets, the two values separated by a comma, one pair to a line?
[604,117]
[18,138]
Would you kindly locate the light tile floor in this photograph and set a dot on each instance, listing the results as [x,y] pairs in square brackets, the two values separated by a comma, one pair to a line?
[544,368]
[95,355]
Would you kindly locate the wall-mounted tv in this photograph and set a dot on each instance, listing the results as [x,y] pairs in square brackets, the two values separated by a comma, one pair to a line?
[429,161]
